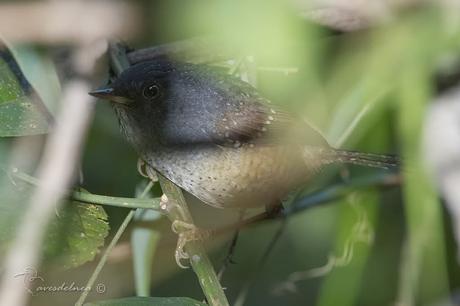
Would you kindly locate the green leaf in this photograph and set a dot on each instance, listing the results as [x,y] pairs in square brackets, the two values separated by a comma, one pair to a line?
[76,234]
[21,110]
[149,301]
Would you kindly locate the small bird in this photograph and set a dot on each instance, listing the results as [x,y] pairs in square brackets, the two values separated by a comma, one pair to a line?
[217,137]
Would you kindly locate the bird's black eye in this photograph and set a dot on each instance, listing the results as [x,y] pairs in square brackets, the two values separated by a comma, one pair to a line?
[151,91]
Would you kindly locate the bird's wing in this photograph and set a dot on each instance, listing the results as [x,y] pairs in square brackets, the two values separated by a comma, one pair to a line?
[260,122]
[247,117]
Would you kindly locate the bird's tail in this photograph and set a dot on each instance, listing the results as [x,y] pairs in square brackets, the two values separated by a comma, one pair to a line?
[385,161]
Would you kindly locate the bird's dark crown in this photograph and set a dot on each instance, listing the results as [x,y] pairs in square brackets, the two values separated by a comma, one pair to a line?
[176,103]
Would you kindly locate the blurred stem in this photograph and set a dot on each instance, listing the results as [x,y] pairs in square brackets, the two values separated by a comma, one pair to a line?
[423,273]
[90,198]
[117,58]
[110,247]
[339,190]
[199,260]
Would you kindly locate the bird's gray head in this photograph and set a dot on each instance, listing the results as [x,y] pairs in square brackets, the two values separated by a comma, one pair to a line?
[140,97]
[172,103]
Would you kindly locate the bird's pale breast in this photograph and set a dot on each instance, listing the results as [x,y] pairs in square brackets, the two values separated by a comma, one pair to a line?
[248,176]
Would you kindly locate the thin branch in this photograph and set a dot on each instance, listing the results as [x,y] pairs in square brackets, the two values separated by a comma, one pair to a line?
[334,192]
[90,198]
[108,250]
[104,257]
[152,203]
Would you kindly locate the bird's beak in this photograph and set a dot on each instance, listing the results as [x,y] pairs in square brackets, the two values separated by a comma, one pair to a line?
[103,93]
[108,93]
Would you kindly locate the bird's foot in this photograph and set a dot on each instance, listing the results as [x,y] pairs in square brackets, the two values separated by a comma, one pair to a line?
[146,171]
[187,232]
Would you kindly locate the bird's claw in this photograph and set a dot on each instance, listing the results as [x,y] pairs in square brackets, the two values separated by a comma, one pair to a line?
[187,232]
[146,171]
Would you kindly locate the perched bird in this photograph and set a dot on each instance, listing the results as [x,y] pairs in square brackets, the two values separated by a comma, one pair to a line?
[216,137]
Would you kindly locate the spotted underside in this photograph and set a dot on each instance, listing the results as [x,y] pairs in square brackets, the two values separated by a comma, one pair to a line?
[228,177]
